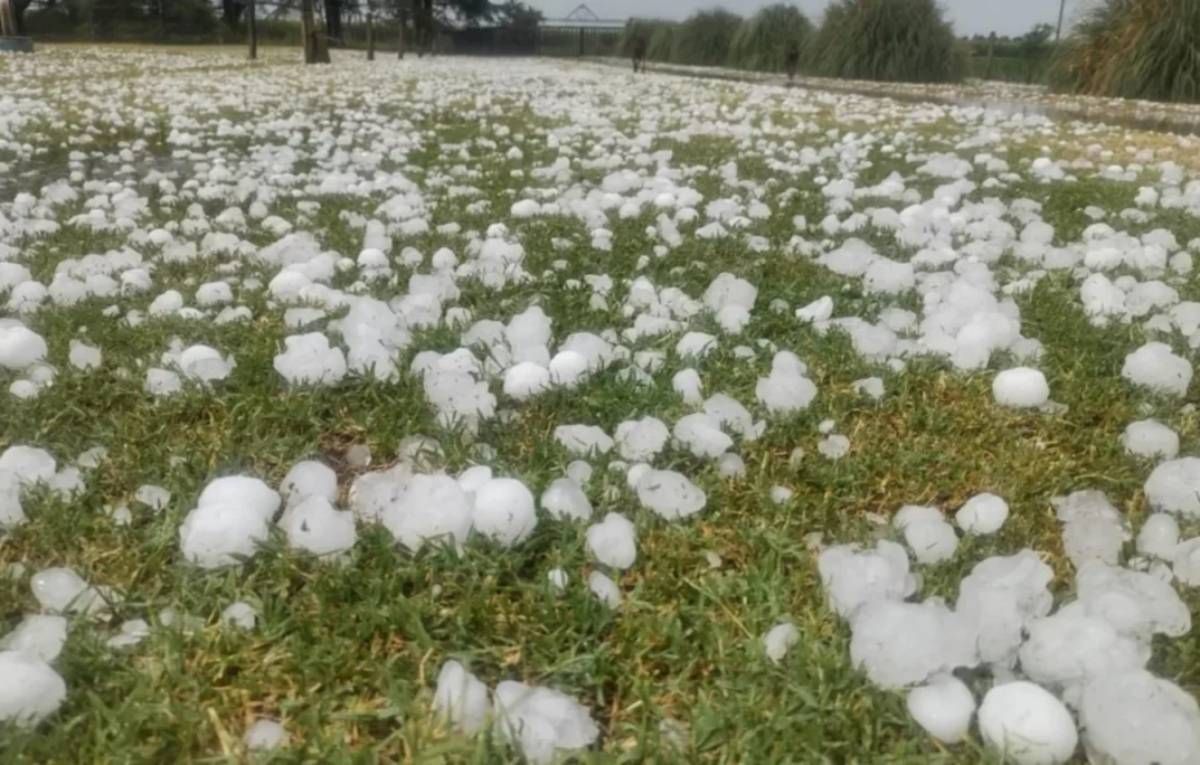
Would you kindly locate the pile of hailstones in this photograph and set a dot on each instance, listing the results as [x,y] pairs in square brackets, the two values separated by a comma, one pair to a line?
[233,517]
[1088,656]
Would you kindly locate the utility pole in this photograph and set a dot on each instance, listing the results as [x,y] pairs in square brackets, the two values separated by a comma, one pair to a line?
[1062,7]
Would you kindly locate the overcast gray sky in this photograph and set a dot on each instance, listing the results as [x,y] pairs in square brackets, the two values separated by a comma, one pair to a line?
[1005,17]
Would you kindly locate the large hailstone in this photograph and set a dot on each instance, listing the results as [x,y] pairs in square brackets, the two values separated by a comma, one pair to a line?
[1135,718]
[1021,388]
[670,495]
[309,360]
[30,689]
[1156,367]
[504,511]
[231,519]
[39,635]
[428,509]
[19,346]
[1150,439]
[461,698]
[541,721]
[1027,725]
[316,526]
[982,515]
[565,500]
[613,541]
[1174,487]
[852,578]
[943,707]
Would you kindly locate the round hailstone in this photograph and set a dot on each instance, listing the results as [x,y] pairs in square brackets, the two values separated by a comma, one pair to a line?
[61,590]
[1135,717]
[1159,536]
[427,509]
[526,380]
[943,707]
[605,589]
[568,368]
[30,689]
[310,360]
[38,635]
[240,614]
[309,478]
[1185,563]
[265,735]
[564,499]
[834,447]
[779,640]
[1151,439]
[1027,725]
[461,698]
[686,383]
[731,465]
[641,440]
[217,535]
[982,514]
[1156,367]
[29,464]
[931,541]
[670,495]
[1174,487]
[504,511]
[1021,388]
[20,347]
[250,494]
[317,527]
[613,541]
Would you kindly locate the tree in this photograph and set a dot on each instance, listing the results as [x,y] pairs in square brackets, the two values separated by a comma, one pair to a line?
[231,12]
[333,19]
[1034,45]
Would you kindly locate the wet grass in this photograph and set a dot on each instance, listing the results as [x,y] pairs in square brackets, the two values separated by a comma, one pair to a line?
[346,652]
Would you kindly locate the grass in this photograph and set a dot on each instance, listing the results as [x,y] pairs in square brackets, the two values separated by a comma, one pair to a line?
[1148,49]
[346,652]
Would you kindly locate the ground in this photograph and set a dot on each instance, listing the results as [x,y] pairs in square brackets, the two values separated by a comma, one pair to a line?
[347,650]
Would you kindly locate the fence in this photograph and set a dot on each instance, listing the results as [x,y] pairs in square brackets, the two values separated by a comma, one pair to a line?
[581,40]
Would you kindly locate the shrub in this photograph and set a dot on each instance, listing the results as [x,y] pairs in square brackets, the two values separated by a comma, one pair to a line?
[644,29]
[761,42]
[1135,49]
[890,40]
[704,38]
[662,42]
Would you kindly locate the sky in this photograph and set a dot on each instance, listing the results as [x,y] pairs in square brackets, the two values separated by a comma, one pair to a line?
[1004,17]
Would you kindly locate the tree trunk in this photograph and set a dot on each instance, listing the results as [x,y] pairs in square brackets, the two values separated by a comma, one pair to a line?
[425,36]
[316,50]
[8,20]
[333,21]
[370,36]
[403,32]
[252,29]
[17,9]
[231,12]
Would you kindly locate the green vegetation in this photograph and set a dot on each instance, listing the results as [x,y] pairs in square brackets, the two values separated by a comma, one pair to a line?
[705,38]
[1135,49]
[891,40]
[761,42]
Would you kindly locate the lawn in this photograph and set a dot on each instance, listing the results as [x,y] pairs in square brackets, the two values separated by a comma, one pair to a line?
[522,210]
